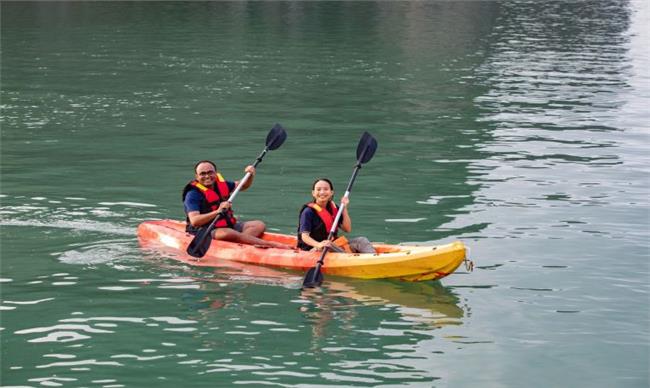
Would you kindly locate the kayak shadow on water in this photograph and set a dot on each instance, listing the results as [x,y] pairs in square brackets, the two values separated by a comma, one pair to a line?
[427,302]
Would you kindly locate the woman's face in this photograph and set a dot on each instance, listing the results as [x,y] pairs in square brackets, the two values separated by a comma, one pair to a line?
[322,192]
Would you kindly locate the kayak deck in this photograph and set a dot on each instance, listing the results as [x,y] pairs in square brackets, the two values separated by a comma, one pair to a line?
[409,263]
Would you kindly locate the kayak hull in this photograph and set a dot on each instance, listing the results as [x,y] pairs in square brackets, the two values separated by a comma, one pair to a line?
[408,263]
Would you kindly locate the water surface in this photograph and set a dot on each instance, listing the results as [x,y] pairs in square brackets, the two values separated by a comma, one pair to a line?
[516,127]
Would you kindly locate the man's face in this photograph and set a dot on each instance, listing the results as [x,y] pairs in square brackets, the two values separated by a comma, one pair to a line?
[205,174]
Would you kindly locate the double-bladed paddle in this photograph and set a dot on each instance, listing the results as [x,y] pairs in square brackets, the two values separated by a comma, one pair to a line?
[365,151]
[201,242]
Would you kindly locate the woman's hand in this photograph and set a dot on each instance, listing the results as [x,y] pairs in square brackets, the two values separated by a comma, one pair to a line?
[325,243]
[346,223]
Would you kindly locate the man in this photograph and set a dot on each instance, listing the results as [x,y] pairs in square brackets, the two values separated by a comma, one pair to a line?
[207,195]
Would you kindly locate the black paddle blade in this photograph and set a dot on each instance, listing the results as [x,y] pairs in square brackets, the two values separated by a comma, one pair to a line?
[201,243]
[313,278]
[366,148]
[277,135]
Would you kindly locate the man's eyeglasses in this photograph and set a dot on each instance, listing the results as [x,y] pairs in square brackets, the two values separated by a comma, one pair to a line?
[206,173]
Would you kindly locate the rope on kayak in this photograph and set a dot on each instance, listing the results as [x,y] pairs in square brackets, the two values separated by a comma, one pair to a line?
[469,264]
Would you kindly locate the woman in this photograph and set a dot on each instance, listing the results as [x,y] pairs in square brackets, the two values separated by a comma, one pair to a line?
[317,217]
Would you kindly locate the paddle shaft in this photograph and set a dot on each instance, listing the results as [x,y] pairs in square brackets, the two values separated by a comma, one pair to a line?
[245,178]
[335,225]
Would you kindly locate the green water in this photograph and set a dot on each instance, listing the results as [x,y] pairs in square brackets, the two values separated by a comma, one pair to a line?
[518,128]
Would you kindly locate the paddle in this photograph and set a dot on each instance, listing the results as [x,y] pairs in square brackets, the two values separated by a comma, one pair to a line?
[365,150]
[201,242]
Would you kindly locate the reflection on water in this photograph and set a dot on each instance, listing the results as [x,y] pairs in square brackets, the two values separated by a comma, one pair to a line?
[328,322]
[432,300]
[426,302]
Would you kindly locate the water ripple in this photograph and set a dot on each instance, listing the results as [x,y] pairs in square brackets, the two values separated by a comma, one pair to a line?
[27,302]
[78,363]
[70,215]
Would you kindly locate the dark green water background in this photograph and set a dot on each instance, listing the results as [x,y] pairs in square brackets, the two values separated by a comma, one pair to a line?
[518,127]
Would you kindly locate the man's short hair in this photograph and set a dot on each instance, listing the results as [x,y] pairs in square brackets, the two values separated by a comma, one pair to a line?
[205,161]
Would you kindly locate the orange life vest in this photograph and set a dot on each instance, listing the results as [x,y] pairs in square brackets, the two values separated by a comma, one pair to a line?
[213,198]
[321,231]
[325,215]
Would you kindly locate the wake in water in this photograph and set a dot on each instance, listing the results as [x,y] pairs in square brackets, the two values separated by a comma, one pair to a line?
[85,221]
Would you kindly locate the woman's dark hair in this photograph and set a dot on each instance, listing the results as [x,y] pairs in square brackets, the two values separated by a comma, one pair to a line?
[313,186]
[205,161]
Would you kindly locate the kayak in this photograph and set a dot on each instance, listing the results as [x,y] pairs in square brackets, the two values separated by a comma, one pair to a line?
[400,262]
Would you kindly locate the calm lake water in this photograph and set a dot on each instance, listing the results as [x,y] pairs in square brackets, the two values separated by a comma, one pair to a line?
[519,128]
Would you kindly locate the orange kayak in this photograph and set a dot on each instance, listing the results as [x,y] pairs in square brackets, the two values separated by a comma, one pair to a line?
[402,262]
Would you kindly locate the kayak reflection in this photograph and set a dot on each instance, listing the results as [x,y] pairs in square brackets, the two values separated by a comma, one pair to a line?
[426,302]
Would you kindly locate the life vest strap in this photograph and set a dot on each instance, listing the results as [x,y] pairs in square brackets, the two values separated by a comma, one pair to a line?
[325,215]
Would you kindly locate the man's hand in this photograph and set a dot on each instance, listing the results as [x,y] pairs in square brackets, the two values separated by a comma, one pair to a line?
[250,169]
